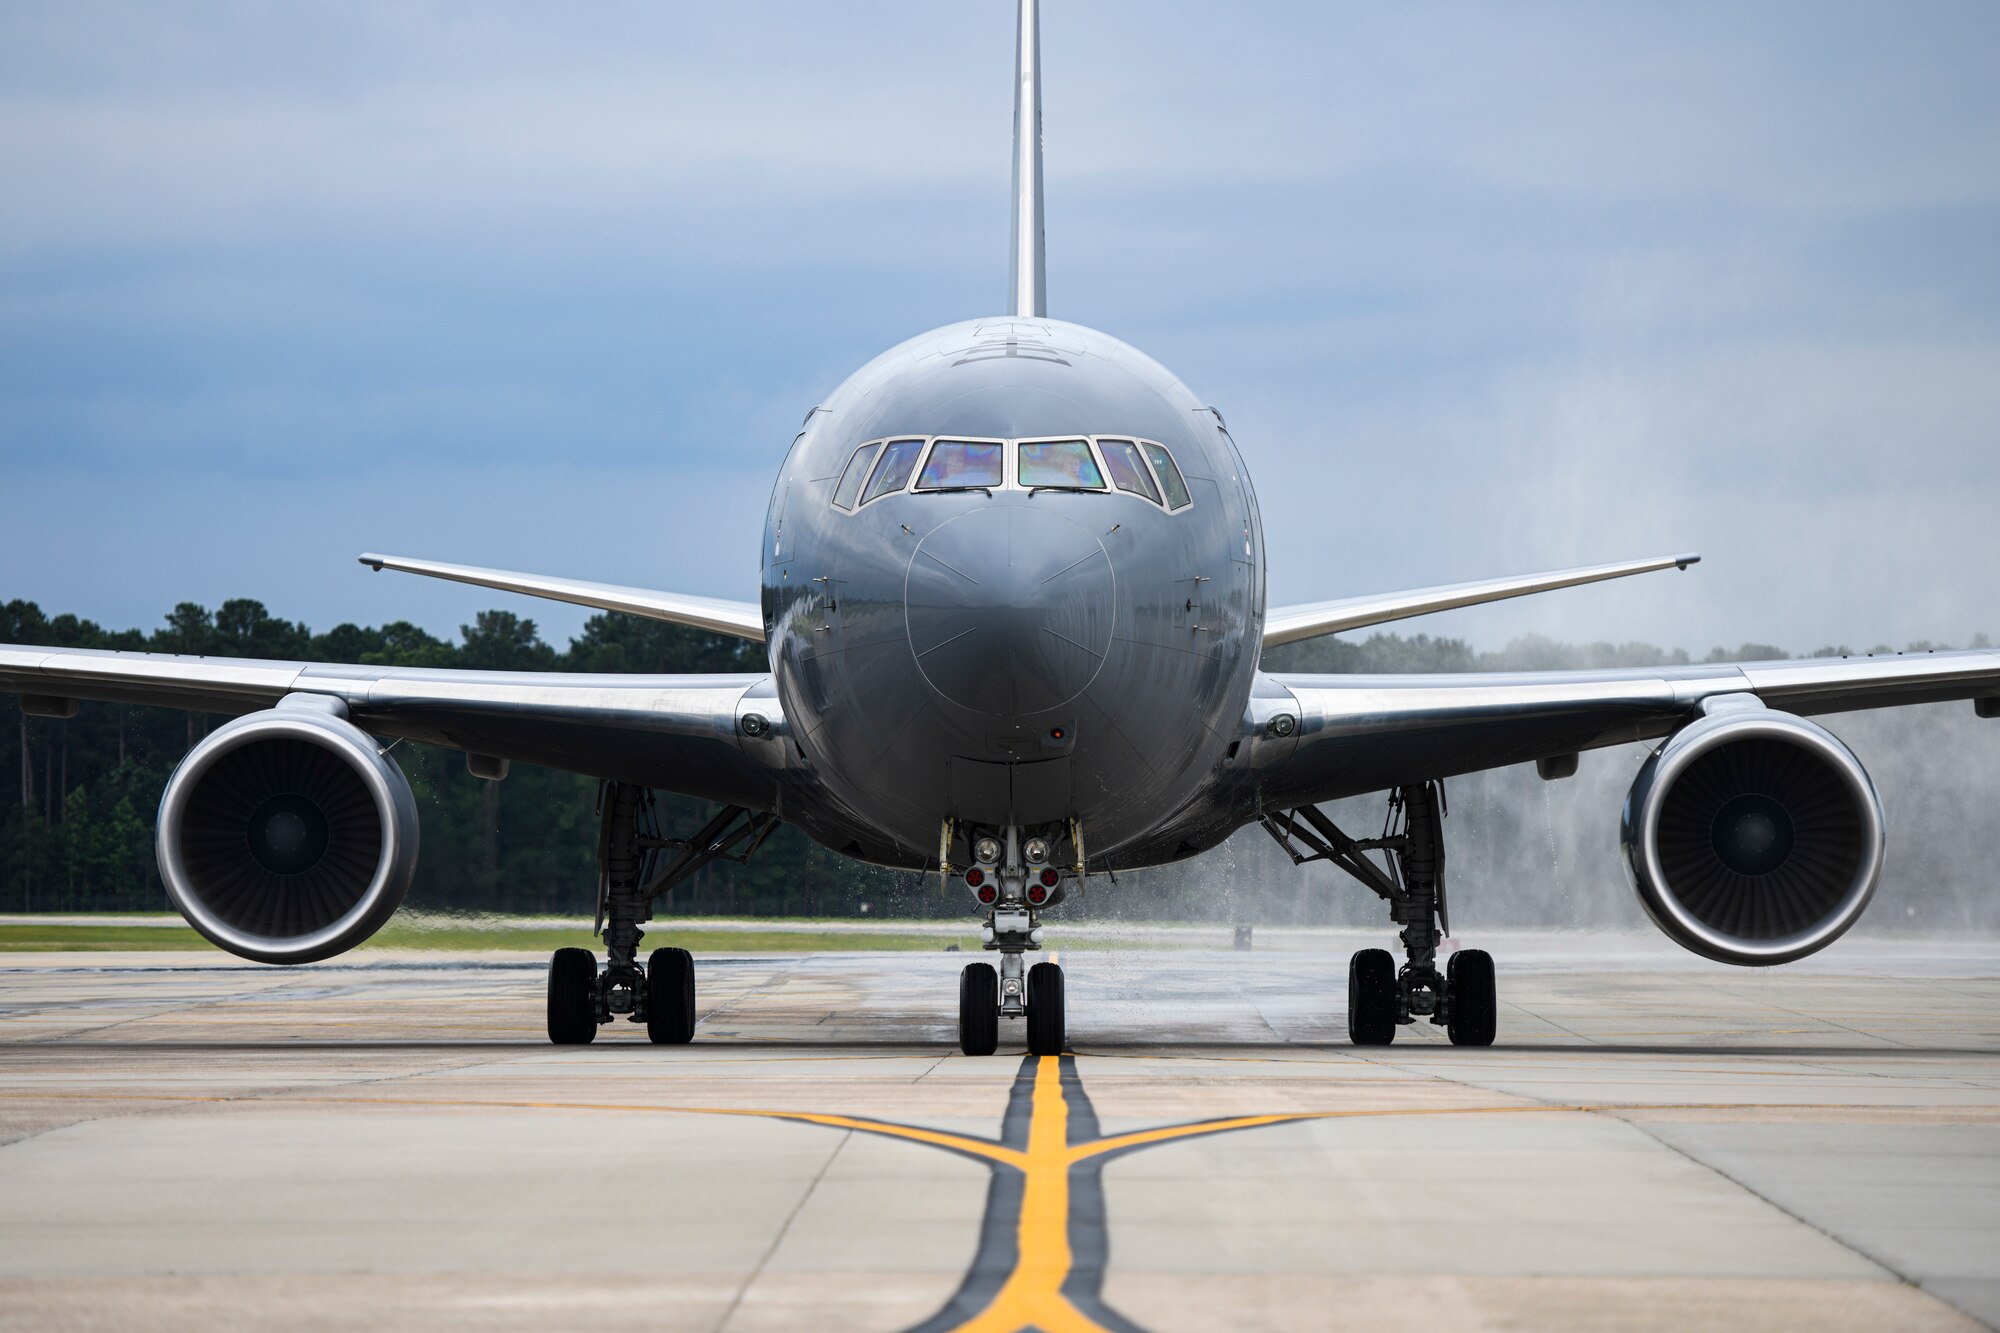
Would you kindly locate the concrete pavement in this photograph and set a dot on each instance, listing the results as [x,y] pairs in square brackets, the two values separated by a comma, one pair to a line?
[1655,1143]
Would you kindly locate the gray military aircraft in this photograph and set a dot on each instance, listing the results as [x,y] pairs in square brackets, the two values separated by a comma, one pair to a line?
[1014,600]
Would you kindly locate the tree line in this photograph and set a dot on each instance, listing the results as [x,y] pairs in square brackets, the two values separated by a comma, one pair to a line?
[77,809]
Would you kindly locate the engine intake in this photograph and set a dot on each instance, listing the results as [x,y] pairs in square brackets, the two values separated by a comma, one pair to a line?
[1753,837]
[286,836]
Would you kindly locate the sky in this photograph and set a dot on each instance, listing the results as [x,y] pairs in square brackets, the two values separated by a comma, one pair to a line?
[1481,289]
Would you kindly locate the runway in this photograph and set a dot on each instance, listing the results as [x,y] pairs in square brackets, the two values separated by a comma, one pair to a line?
[187,1141]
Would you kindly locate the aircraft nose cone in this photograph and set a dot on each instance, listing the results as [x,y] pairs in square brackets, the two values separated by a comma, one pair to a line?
[1010,609]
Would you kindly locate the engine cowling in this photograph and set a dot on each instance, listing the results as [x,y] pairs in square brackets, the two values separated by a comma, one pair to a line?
[286,836]
[1753,837]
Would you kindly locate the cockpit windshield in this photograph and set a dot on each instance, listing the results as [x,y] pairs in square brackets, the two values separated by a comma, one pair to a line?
[961,463]
[939,464]
[1066,464]
[1127,469]
[857,472]
[899,460]
[1170,476]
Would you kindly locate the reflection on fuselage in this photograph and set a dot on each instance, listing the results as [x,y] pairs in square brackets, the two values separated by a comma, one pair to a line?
[992,652]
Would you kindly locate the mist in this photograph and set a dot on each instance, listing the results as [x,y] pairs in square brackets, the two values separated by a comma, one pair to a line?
[1522,852]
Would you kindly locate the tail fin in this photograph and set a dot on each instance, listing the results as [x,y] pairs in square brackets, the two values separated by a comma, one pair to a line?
[1030,293]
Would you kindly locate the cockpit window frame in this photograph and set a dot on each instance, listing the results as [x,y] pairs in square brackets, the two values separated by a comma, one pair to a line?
[872,448]
[869,495]
[1103,443]
[1159,477]
[1009,468]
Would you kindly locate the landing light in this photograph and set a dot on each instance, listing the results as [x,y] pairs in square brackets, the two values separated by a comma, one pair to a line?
[1037,850]
[986,850]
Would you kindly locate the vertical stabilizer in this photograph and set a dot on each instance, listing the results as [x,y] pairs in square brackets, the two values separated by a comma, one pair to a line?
[1030,287]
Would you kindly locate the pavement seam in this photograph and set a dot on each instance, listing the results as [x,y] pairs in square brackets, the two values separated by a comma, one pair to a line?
[785,1229]
[280,984]
[1755,1193]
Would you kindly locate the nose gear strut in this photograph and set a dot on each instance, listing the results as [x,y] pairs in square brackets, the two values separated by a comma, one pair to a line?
[1013,929]
[634,872]
[1379,996]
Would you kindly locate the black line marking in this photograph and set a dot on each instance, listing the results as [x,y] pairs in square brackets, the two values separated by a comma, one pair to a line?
[1089,1229]
[999,1250]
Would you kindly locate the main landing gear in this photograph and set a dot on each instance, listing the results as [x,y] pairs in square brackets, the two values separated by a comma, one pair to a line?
[634,871]
[1012,877]
[1380,996]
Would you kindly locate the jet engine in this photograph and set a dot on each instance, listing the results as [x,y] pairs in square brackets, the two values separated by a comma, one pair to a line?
[1753,837]
[287,836]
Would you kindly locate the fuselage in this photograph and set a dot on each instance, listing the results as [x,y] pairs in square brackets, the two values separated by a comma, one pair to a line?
[971,646]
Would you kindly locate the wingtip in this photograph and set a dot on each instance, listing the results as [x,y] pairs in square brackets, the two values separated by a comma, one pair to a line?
[373,561]
[1683,561]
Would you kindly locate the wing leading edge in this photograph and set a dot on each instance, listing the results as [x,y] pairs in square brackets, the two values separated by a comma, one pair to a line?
[742,620]
[1288,624]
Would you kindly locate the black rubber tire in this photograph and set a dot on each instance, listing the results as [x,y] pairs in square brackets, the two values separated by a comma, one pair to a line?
[1046,1031]
[1371,998]
[979,1009]
[573,997]
[1468,977]
[670,997]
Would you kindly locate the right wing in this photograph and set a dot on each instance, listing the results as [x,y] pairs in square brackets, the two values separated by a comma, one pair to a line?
[1289,624]
[1356,734]
[673,733]
[741,620]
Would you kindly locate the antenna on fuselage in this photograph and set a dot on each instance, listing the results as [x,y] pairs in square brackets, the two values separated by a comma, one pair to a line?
[1030,285]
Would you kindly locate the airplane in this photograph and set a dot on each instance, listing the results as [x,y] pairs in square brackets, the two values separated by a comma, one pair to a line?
[1013,604]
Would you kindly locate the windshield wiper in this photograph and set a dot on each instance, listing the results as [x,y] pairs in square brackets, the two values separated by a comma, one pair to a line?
[955,490]
[1073,490]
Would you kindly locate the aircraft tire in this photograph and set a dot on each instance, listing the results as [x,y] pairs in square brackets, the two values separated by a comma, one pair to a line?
[670,997]
[573,997]
[1046,1034]
[1468,977]
[1371,998]
[978,1009]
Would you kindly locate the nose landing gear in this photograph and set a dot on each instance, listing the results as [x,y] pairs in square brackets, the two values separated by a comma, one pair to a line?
[1014,880]
[1381,997]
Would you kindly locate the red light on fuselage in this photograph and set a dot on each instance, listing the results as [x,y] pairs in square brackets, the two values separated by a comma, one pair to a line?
[1038,894]
[1050,876]
[988,894]
[975,877]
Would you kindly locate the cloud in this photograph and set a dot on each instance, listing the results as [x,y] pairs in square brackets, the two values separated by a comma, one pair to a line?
[1480,289]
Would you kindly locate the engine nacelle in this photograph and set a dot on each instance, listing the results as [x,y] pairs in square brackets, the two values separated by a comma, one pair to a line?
[287,836]
[1753,837]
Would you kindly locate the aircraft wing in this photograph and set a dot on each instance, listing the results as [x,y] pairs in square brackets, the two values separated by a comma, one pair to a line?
[741,620]
[1356,734]
[1288,624]
[674,733]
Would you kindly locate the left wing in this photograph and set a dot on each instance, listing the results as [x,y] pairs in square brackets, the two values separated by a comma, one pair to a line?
[740,620]
[1288,624]
[1356,734]
[673,733]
